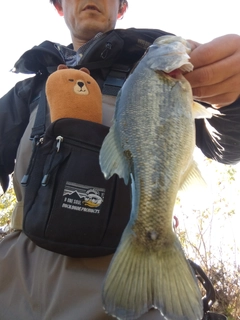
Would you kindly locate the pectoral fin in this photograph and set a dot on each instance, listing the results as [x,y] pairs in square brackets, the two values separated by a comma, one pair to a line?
[112,159]
[199,111]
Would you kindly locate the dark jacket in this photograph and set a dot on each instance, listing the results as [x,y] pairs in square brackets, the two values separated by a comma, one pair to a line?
[118,48]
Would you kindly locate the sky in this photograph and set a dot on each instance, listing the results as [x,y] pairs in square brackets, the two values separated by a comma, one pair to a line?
[26,23]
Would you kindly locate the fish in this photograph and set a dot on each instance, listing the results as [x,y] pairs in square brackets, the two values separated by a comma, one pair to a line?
[151,144]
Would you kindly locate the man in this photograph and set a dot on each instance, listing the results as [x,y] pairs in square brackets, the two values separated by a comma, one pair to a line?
[40,284]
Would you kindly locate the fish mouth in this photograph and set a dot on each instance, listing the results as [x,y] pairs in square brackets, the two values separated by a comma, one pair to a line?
[91,7]
[175,74]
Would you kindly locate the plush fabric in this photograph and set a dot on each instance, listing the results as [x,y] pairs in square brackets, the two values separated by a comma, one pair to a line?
[74,93]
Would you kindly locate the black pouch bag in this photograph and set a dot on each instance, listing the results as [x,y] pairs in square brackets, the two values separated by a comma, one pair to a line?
[70,208]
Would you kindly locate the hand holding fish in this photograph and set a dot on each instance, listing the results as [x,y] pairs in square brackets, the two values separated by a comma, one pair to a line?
[216,75]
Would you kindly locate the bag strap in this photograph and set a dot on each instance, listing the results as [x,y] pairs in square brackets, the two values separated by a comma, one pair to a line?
[210,296]
[39,127]
[37,133]
[115,79]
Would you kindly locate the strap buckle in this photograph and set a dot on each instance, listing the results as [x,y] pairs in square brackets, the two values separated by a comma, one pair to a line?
[115,79]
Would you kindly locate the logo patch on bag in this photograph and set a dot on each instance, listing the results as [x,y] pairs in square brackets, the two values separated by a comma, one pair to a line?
[83,198]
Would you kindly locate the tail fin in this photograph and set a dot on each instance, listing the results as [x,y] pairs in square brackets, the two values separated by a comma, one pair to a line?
[138,280]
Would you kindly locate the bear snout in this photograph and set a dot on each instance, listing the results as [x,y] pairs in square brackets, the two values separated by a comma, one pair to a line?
[80,84]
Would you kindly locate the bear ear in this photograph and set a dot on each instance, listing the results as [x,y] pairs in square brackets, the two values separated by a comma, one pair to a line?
[85,70]
[62,66]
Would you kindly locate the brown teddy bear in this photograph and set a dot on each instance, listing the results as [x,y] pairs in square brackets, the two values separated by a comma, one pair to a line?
[74,93]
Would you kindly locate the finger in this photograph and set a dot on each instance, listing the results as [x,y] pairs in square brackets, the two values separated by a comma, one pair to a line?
[216,72]
[223,99]
[228,86]
[193,44]
[214,50]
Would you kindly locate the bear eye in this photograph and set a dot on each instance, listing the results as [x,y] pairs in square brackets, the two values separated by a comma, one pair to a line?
[70,80]
[88,82]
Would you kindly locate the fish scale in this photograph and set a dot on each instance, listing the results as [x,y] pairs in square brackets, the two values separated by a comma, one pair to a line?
[151,142]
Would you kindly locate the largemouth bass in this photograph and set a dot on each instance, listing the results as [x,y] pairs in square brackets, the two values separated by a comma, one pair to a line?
[151,142]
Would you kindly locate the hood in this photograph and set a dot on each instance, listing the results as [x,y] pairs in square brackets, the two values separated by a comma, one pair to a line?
[38,59]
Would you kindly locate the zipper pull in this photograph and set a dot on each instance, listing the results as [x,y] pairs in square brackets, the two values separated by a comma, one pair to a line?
[105,52]
[52,163]
[59,141]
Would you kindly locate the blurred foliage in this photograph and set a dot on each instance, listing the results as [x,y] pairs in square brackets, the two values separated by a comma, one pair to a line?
[209,233]
[7,203]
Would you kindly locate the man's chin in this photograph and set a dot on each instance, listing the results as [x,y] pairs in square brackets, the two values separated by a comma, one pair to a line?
[90,28]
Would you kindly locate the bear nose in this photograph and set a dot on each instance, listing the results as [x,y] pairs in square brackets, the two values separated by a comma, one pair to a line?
[80,84]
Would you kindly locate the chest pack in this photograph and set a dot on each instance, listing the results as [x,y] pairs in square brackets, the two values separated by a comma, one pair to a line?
[69,207]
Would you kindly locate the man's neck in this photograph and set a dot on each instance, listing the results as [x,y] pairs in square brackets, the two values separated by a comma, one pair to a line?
[78,43]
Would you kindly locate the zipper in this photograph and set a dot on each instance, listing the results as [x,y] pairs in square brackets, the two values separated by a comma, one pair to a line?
[84,145]
[57,157]
[103,54]
[59,141]
[52,165]
[108,48]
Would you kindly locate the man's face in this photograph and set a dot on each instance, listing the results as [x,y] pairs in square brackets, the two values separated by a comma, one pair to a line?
[85,18]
